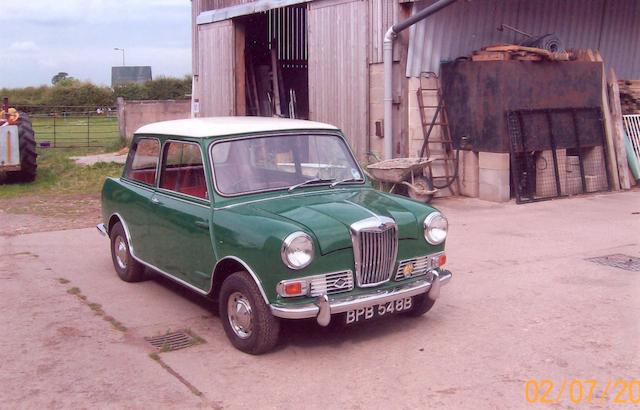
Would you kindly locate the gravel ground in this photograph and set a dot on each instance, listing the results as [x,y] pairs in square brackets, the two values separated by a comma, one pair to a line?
[524,304]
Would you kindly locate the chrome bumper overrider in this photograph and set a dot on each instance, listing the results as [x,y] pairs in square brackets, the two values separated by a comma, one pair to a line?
[101,228]
[324,307]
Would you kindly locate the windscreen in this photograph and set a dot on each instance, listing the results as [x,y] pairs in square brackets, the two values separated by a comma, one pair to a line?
[278,162]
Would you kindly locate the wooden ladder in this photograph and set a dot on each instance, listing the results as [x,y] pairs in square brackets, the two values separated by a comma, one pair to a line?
[446,160]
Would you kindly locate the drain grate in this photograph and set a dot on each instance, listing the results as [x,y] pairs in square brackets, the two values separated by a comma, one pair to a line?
[172,341]
[619,260]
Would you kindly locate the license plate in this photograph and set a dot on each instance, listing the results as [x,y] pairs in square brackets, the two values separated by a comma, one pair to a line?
[371,312]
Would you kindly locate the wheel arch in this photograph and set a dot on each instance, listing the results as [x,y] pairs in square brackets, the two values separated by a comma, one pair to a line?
[227,266]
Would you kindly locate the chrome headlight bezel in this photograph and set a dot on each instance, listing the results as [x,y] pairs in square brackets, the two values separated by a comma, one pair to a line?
[431,223]
[288,246]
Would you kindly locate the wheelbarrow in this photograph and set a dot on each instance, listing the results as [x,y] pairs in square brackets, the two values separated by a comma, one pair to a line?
[405,171]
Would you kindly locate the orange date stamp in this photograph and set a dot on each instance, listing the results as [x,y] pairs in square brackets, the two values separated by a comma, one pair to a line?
[582,391]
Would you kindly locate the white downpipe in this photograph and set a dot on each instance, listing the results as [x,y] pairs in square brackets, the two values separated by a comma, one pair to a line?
[387,55]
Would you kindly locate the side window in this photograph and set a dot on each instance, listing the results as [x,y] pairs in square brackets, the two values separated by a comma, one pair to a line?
[144,161]
[182,170]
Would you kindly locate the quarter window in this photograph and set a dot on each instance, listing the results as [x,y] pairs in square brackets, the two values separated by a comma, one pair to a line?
[144,161]
[182,169]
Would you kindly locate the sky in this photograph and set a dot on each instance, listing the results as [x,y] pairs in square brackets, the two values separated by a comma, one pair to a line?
[44,37]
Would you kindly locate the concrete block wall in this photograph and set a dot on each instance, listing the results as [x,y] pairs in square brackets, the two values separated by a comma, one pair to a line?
[493,177]
[468,173]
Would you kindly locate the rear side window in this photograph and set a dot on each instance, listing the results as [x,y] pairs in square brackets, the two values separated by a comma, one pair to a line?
[144,157]
[182,170]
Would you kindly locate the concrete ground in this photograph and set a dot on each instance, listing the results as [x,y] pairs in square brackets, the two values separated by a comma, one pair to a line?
[524,304]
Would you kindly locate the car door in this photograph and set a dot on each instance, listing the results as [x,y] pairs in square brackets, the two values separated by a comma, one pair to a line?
[181,216]
[140,175]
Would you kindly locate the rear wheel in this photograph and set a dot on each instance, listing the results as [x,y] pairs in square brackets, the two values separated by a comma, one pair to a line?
[245,316]
[28,154]
[127,268]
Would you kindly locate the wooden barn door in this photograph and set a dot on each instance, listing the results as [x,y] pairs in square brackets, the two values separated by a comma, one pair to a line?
[338,67]
[216,76]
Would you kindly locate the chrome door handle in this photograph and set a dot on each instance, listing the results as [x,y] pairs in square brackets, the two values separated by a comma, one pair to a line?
[155,200]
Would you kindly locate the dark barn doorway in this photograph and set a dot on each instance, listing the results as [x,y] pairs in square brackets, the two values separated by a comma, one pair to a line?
[276,73]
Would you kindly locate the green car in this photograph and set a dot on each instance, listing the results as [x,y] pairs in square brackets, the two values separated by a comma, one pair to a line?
[273,219]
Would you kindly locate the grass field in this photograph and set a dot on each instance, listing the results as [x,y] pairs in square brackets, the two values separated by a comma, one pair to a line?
[57,174]
[76,131]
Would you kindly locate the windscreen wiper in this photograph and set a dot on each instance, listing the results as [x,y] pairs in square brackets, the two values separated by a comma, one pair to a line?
[311,181]
[345,180]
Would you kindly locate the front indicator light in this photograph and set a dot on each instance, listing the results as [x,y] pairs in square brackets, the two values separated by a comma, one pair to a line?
[442,259]
[289,289]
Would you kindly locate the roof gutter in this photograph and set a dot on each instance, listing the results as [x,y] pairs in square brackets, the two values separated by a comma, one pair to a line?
[389,37]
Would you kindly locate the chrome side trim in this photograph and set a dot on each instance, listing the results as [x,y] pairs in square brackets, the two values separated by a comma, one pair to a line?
[319,308]
[155,268]
[175,195]
[102,230]
[248,269]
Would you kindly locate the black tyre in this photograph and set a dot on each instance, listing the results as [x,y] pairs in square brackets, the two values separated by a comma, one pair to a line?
[127,268]
[28,154]
[246,319]
[420,305]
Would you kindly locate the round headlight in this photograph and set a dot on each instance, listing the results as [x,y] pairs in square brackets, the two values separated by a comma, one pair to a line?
[435,228]
[297,250]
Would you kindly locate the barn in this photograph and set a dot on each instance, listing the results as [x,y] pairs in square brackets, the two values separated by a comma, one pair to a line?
[323,59]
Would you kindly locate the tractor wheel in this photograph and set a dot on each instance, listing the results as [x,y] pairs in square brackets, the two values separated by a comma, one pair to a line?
[28,154]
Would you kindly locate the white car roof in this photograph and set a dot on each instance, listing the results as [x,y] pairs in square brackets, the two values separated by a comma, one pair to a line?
[220,126]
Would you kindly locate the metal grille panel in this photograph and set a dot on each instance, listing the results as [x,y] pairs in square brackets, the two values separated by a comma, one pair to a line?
[331,283]
[377,256]
[619,260]
[421,265]
[172,341]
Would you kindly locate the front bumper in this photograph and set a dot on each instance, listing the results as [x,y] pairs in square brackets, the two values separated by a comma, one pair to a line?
[324,307]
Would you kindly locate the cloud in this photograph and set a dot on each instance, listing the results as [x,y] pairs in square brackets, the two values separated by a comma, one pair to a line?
[78,37]
[23,46]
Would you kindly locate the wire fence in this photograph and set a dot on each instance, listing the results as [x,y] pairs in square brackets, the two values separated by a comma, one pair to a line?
[73,126]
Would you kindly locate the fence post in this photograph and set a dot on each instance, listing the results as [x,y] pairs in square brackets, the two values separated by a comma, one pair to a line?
[55,145]
[88,128]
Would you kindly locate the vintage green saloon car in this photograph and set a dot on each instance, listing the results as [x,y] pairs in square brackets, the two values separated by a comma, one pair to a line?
[274,219]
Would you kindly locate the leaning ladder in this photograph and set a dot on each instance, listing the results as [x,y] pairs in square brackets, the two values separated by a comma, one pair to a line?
[446,159]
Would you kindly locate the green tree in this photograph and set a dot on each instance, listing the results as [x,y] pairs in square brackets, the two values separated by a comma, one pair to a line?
[59,77]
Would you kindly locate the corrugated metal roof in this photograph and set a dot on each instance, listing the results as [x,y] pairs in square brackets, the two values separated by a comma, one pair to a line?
[612,26]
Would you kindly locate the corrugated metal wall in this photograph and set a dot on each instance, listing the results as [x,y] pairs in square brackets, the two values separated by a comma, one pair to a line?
[612,26]
[216,87]
[338,67]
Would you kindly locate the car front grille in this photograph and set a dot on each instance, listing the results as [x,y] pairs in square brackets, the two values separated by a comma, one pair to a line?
[419,266]
[375,249]
[331,283]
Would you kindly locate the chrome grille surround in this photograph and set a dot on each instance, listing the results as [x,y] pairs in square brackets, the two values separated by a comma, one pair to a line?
[375,248]
[421,265]
[330,283]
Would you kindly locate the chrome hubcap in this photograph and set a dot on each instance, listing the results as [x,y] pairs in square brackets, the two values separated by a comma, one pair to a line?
[240,316]
[120,248]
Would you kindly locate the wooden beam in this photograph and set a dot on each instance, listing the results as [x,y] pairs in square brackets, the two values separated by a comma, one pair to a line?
[618,130]
[240,70]
[614,178]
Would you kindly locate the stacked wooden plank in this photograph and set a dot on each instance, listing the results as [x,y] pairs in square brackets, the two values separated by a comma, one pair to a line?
[505,52]
[630,96]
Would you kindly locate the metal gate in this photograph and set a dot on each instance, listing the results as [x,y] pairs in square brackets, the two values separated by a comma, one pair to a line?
[557,152]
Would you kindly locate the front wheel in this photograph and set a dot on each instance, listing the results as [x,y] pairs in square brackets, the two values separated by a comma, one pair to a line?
[245,316]
[420,305]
